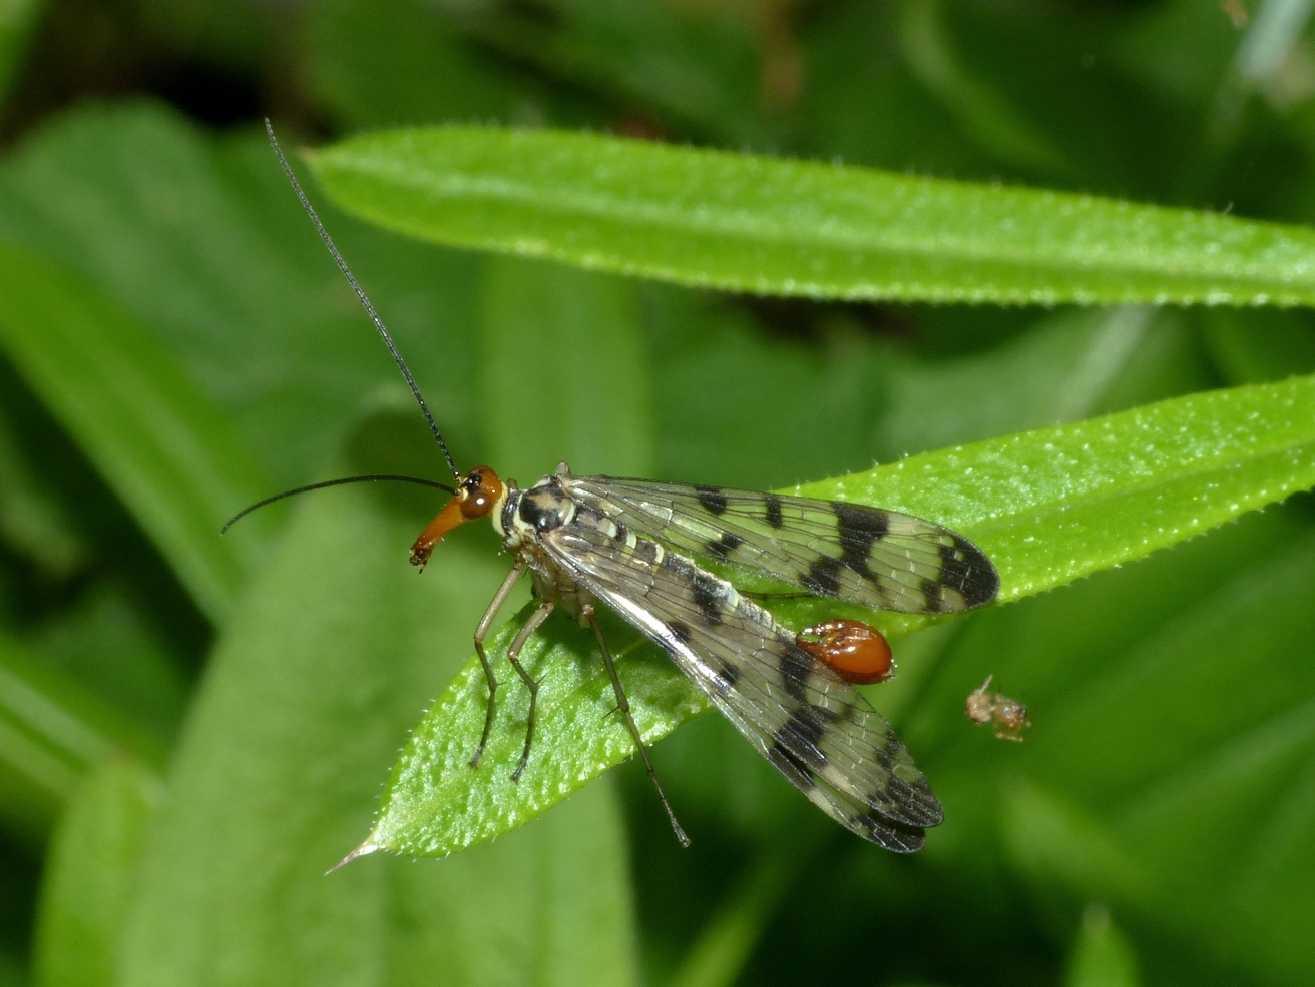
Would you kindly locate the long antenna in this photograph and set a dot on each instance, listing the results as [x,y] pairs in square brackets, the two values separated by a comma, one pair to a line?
[360,294]
[304,488]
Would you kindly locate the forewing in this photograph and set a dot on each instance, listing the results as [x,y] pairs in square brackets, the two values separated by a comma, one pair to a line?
[812,725]
[875,558]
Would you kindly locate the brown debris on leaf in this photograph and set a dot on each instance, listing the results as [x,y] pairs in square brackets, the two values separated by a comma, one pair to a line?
[1009,716]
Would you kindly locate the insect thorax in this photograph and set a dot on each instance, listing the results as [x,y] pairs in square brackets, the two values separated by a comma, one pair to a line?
[526,515]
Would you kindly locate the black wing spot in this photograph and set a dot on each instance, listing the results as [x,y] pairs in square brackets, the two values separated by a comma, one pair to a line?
[931,591]
[823,577]
[886,754]
[680,631]
[920,805]
[890,835]
[708,597]
[791,765]
[722,547]
[967,569]
[712,499]
[773,507]
[678,567]
[796,665]
[646,551]
[802,730]
[859,528]
[727,676]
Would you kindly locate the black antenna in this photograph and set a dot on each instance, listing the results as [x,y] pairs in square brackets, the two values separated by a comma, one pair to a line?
[362,478]
[360,293]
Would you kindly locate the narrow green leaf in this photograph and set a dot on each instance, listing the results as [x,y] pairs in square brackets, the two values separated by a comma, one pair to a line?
[1169,702]
[1277,31]
[724,945]
[107,642]
[53,732]
[1278,345]
[307,698]
[324,675]
[16,20]
[979,110]
[1052,505]
[697,68]
[1048,506]
[782,227]
[397,61]
[1062,849]
[549,405]
[1069,858]
[164,449]
[91,872]
[1102,955]
[226,277]
[32,522]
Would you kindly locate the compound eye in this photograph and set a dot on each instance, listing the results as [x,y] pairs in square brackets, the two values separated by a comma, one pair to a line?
[480,490]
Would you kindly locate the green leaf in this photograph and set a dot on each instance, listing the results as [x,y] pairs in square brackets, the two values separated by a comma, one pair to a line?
[312,690]
[694,66]
[773,226]
[719,954]
[92,870]
[859,49]
[558,315]
[16,20]
[166,451]
[106,641]
[402,61]
[228,279]
[53,733]
[1102,956]
[1066,853]
[1048,506]
[1276,345]
[31,521]
[1168,701]
[306,699]
[978,110]
[1053,505]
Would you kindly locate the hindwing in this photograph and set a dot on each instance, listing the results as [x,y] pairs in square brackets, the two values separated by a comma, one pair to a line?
[807,721]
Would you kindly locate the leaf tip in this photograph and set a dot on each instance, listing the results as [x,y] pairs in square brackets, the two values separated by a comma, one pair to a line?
[364,850]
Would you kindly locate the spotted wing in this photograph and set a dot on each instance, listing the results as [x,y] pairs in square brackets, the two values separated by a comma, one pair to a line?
[875,558]
[807,721]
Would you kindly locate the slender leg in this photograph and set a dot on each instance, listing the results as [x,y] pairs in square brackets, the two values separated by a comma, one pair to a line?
[513,656]
[499,598]
[623,706]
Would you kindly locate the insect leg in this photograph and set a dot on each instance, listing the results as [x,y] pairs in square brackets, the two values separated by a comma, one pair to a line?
[623,706]
[531,683]
[481,631]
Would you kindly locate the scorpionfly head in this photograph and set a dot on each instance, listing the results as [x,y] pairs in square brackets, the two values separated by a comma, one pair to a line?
[477,493]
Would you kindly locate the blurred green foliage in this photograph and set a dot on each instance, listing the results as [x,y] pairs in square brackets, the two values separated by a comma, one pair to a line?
[192,729]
